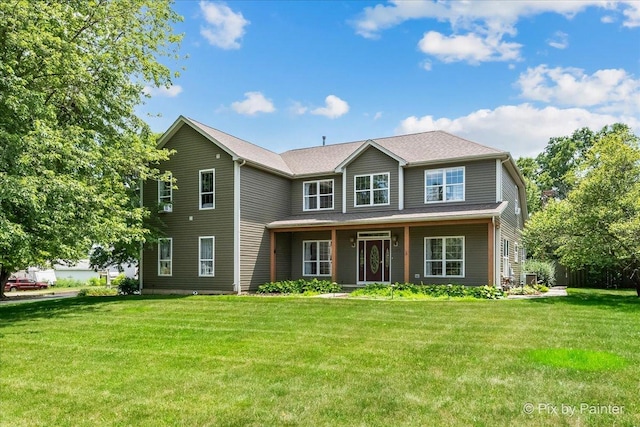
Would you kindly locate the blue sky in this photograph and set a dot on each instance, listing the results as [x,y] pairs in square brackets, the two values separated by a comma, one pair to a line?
[509,74]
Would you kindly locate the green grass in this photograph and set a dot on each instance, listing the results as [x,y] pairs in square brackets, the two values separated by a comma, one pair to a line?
[256,361]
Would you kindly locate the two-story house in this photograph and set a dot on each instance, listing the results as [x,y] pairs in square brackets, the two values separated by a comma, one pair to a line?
[428,207]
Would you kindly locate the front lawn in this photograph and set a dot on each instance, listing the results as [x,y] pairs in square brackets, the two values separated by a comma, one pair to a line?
[242,361]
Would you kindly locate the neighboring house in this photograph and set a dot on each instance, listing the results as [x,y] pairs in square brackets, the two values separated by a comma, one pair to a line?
[83,271]
[429,207]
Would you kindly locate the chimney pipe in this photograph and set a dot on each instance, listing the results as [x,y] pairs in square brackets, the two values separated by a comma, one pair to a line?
[324,140]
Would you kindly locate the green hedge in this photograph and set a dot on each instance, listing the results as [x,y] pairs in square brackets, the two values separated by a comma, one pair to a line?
[300,286]
[97,292]
[410,290]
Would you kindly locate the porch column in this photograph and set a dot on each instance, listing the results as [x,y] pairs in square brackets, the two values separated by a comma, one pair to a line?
[490,252]
[334,255]
[272,255]
[406,254]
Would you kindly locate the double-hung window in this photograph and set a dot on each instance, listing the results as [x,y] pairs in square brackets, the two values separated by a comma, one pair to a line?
[165,256]
[371,189]
[206,256]
[444,185]
[318,195]
[165,194]
[316,258]
[444,257]
[207,184]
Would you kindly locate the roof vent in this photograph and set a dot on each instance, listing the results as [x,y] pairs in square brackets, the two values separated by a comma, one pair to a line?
[324,140]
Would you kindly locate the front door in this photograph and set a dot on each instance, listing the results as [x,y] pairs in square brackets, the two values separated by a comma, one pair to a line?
[374,260]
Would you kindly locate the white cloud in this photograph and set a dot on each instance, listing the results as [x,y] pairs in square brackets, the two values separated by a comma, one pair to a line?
[168,92]
[479,24]
[224,27]
[498,16]
[607,19]
[378,115]
[560,40]
[334,107]
[632,14]
[470,47]
[254,103]
[523,130]
[610,90]
[297,108]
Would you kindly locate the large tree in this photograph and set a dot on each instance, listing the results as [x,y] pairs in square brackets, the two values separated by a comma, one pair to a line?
[71,146]
[597,225]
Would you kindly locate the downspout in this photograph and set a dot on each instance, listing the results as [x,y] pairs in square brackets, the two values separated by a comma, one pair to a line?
[237,164]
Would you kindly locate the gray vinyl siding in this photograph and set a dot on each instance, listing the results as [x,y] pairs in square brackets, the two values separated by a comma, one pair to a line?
[511,228]
[297,195]
[372,161]
[480,183]
[475,246]
[264,197]
[187,222]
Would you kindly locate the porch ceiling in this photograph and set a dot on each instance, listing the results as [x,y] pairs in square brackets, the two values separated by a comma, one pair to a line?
[426,214]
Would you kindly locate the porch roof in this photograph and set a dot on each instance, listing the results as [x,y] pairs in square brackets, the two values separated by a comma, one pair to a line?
[426,214]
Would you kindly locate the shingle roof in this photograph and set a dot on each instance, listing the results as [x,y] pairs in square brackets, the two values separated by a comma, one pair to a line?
[417,148]
[430,213]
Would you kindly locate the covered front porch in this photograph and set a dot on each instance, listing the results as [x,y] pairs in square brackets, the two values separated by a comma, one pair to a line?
[382,248]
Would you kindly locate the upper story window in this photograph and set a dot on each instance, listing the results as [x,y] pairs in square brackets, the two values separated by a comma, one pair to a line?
[444,185]
[165,195]
[165,256]
[318,195]
[372,189]
[207,189]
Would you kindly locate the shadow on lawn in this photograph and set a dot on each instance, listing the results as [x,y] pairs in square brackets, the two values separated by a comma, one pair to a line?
[617,300]
[47,309]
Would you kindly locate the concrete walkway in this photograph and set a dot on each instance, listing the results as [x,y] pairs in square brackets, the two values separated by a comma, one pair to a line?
[556,291]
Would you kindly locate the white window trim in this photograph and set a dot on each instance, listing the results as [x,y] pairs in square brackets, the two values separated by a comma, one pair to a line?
[317,196]
[200,259]
[443,171]
[200,193]
[444,256]
[161,183]
[516,253]
[371,189]
[318,260]
[170,259]
[506,263]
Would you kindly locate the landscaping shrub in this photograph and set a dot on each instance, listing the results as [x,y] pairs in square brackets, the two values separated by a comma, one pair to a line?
[300,286]
[523,290]
[128,286]
[97,281]
[69,283]
[410,290]
[546,271]
[118,280]
[97,292]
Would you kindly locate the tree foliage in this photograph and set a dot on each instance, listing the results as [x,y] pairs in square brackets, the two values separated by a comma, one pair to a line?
[529,168]
[598,223]
[72,150]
